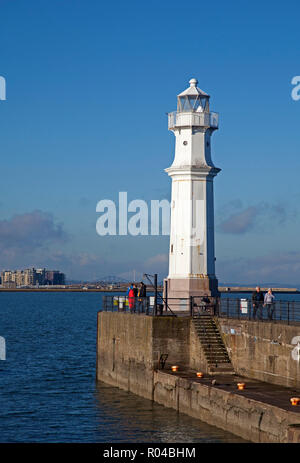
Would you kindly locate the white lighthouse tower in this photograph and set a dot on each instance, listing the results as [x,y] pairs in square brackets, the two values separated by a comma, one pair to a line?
[192,251]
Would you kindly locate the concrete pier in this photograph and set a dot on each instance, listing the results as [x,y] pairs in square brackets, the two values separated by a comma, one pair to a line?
[259,413]
[129,350]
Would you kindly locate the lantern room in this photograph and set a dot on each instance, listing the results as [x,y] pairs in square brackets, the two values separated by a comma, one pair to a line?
[193,99]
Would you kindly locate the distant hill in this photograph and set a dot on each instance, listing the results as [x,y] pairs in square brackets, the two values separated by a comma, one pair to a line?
[112,279]
[108,279]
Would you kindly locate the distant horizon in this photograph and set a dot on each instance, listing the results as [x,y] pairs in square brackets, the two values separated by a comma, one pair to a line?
[222,284]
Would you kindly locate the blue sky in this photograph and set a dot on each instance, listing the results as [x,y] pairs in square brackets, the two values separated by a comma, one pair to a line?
[88,86]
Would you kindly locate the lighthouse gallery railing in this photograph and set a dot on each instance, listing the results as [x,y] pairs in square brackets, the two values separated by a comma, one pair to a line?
[193,119]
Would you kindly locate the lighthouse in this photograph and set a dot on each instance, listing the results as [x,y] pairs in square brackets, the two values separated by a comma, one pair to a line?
[192,249]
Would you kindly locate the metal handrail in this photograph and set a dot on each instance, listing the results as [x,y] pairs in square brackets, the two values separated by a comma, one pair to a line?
[137,305]
[158,293]
[279,310]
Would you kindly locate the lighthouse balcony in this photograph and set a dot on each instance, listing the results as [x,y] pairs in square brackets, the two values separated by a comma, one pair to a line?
[193,119]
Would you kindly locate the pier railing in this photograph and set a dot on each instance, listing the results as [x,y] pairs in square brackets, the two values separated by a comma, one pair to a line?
[223,307]
[242,308]
[191,306]
[148,305]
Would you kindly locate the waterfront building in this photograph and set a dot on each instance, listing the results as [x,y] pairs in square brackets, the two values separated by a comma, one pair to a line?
[54,277]
[40,276]
[31,277]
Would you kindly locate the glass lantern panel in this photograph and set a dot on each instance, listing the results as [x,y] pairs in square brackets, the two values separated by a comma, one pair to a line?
[183,104]
[193,102]
[204,101]
[189,103]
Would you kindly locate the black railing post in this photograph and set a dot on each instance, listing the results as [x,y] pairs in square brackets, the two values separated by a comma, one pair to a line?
[166,295]
[155,294]
[217,307]
[293,305]
[280,309]
[191,306]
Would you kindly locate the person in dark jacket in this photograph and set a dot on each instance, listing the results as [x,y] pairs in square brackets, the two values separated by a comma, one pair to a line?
[257,303]
[135,290]
[142,297]
[142,291]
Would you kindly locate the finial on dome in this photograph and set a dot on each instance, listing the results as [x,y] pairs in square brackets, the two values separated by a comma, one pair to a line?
[193,82]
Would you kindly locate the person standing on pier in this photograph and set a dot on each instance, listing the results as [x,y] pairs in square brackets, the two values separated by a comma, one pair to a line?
[131,298]
[135,290]
[269,302]
[129,288]
[257,303]
[142,296]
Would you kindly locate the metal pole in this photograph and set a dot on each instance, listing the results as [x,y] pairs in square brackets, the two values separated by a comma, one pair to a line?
[280,308]
[191,306]
[166,295]
[293,319]
[218,306]
[155,294]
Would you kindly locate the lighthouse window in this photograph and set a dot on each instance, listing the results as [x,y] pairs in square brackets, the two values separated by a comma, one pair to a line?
[185,142]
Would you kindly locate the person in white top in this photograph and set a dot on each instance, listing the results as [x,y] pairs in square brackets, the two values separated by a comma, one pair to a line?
[269,302]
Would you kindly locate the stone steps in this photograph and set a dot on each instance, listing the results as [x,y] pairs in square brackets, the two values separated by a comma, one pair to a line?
[216,354]
[221,369]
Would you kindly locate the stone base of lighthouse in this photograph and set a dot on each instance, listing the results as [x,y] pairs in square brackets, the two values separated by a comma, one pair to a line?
[183,288]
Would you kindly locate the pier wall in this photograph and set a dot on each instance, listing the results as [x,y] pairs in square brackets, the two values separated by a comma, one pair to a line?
[262,350]
[129,348]
[128,351]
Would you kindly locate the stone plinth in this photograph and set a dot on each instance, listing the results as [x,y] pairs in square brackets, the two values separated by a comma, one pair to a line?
[186,287]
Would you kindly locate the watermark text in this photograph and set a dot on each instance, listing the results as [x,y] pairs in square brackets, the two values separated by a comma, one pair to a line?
[2,88]
[296,90]
[2,348]
[137,218]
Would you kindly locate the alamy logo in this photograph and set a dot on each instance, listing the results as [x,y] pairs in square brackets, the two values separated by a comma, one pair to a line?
[296,90]
[115,220]
[2,88]
[2,348]
[296,351]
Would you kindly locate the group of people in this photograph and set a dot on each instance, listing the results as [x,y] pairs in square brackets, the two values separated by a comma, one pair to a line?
[259,301]
[136,293]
